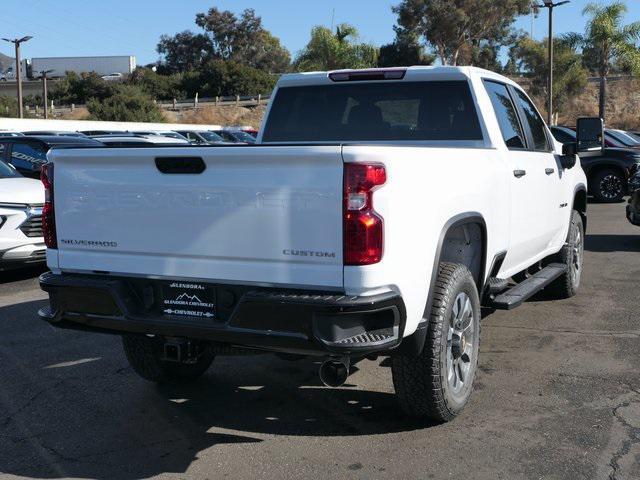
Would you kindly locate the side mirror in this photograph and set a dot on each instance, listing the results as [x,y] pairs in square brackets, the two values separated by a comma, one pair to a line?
[590,133]
[569,152]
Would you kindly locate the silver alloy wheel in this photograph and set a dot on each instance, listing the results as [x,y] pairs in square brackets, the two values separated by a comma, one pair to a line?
[460,344]
[610,186]
[577,250]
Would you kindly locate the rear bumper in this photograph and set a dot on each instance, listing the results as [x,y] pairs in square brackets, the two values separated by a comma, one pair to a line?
[289,321]
[23,255]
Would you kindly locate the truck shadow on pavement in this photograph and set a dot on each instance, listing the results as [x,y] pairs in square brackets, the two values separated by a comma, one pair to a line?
[612,243]
[70,406]
[8,276]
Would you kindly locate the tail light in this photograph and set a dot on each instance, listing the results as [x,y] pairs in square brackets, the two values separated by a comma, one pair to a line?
[48,211]
[363,227]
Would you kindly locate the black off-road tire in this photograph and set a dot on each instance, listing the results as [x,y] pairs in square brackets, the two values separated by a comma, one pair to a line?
[145,357]
[421,382]
[571,255]
[602,186]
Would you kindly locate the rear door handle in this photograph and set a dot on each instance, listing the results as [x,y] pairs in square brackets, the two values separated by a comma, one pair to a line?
[549,171]
[519,173]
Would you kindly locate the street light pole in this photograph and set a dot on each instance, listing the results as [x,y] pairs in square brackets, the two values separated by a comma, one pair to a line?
[17,42]
[550,5]
[43,74]
[550,76]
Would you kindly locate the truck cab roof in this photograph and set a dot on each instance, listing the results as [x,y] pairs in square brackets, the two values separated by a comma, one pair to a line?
[414,73]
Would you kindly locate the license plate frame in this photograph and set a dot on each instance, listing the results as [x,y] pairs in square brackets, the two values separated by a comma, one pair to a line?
[188,299]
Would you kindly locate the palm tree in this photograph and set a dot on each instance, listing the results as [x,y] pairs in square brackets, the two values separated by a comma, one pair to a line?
[609,42]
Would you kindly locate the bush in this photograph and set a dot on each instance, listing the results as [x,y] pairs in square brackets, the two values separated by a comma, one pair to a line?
[160,87]
[80,88]
[8,107]
[220,78]
[127,104]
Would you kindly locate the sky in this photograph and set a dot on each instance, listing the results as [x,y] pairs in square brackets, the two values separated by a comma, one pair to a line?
[132,27]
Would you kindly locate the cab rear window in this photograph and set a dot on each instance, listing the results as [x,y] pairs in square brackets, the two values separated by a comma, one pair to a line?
[382,111]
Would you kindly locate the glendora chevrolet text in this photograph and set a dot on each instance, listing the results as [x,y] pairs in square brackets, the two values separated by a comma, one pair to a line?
[376,214]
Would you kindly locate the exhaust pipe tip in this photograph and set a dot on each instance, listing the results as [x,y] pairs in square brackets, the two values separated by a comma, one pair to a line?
[333,373]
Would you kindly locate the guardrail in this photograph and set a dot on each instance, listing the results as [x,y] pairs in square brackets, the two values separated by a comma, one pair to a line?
[237,100]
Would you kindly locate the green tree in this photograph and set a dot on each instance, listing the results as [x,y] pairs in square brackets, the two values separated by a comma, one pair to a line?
[184,51]
[450,26]
[570,75]
[243,40]
[332,51]
[224,37]
[405,50]
[608,42]
[127,104]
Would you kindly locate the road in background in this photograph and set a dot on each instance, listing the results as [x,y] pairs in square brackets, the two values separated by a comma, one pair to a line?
[557,397]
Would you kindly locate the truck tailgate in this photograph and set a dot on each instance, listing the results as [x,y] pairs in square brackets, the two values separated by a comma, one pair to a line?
[255,215]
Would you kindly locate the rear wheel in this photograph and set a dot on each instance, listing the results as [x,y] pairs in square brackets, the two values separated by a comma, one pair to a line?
[608,186]
[145,355]
[437,383]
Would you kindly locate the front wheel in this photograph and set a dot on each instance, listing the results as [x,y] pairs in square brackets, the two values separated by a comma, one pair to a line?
[437,383]
[608,186]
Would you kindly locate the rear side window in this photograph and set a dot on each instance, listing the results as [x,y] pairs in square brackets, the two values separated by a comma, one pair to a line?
[535,123]
[506,114]
[28,153]
[385,111]
[7,171]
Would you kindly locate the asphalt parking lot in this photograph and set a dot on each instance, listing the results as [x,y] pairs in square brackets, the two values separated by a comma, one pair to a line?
[558,396]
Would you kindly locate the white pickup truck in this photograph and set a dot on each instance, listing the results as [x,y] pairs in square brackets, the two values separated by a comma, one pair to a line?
[378,211]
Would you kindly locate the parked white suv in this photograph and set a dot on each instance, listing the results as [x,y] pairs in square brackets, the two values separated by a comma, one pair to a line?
[21,202]
[377,212]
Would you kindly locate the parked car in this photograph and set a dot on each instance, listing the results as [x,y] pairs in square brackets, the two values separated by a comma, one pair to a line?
[635,135]
[201,137]
[21,202]
[162,133]
[113,77]
[55,133]
[91,133]
[28,153]
[247,129]
[377,226]
[138,140]
[608,170]
[620,138]
[235,136]
[633,208]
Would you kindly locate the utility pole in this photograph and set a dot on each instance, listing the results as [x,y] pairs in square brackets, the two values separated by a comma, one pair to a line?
[550,5]
[43,75]
[17,42]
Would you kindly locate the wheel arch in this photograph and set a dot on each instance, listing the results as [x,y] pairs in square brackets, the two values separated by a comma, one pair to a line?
[445,251]
[608,165]
[580,203]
